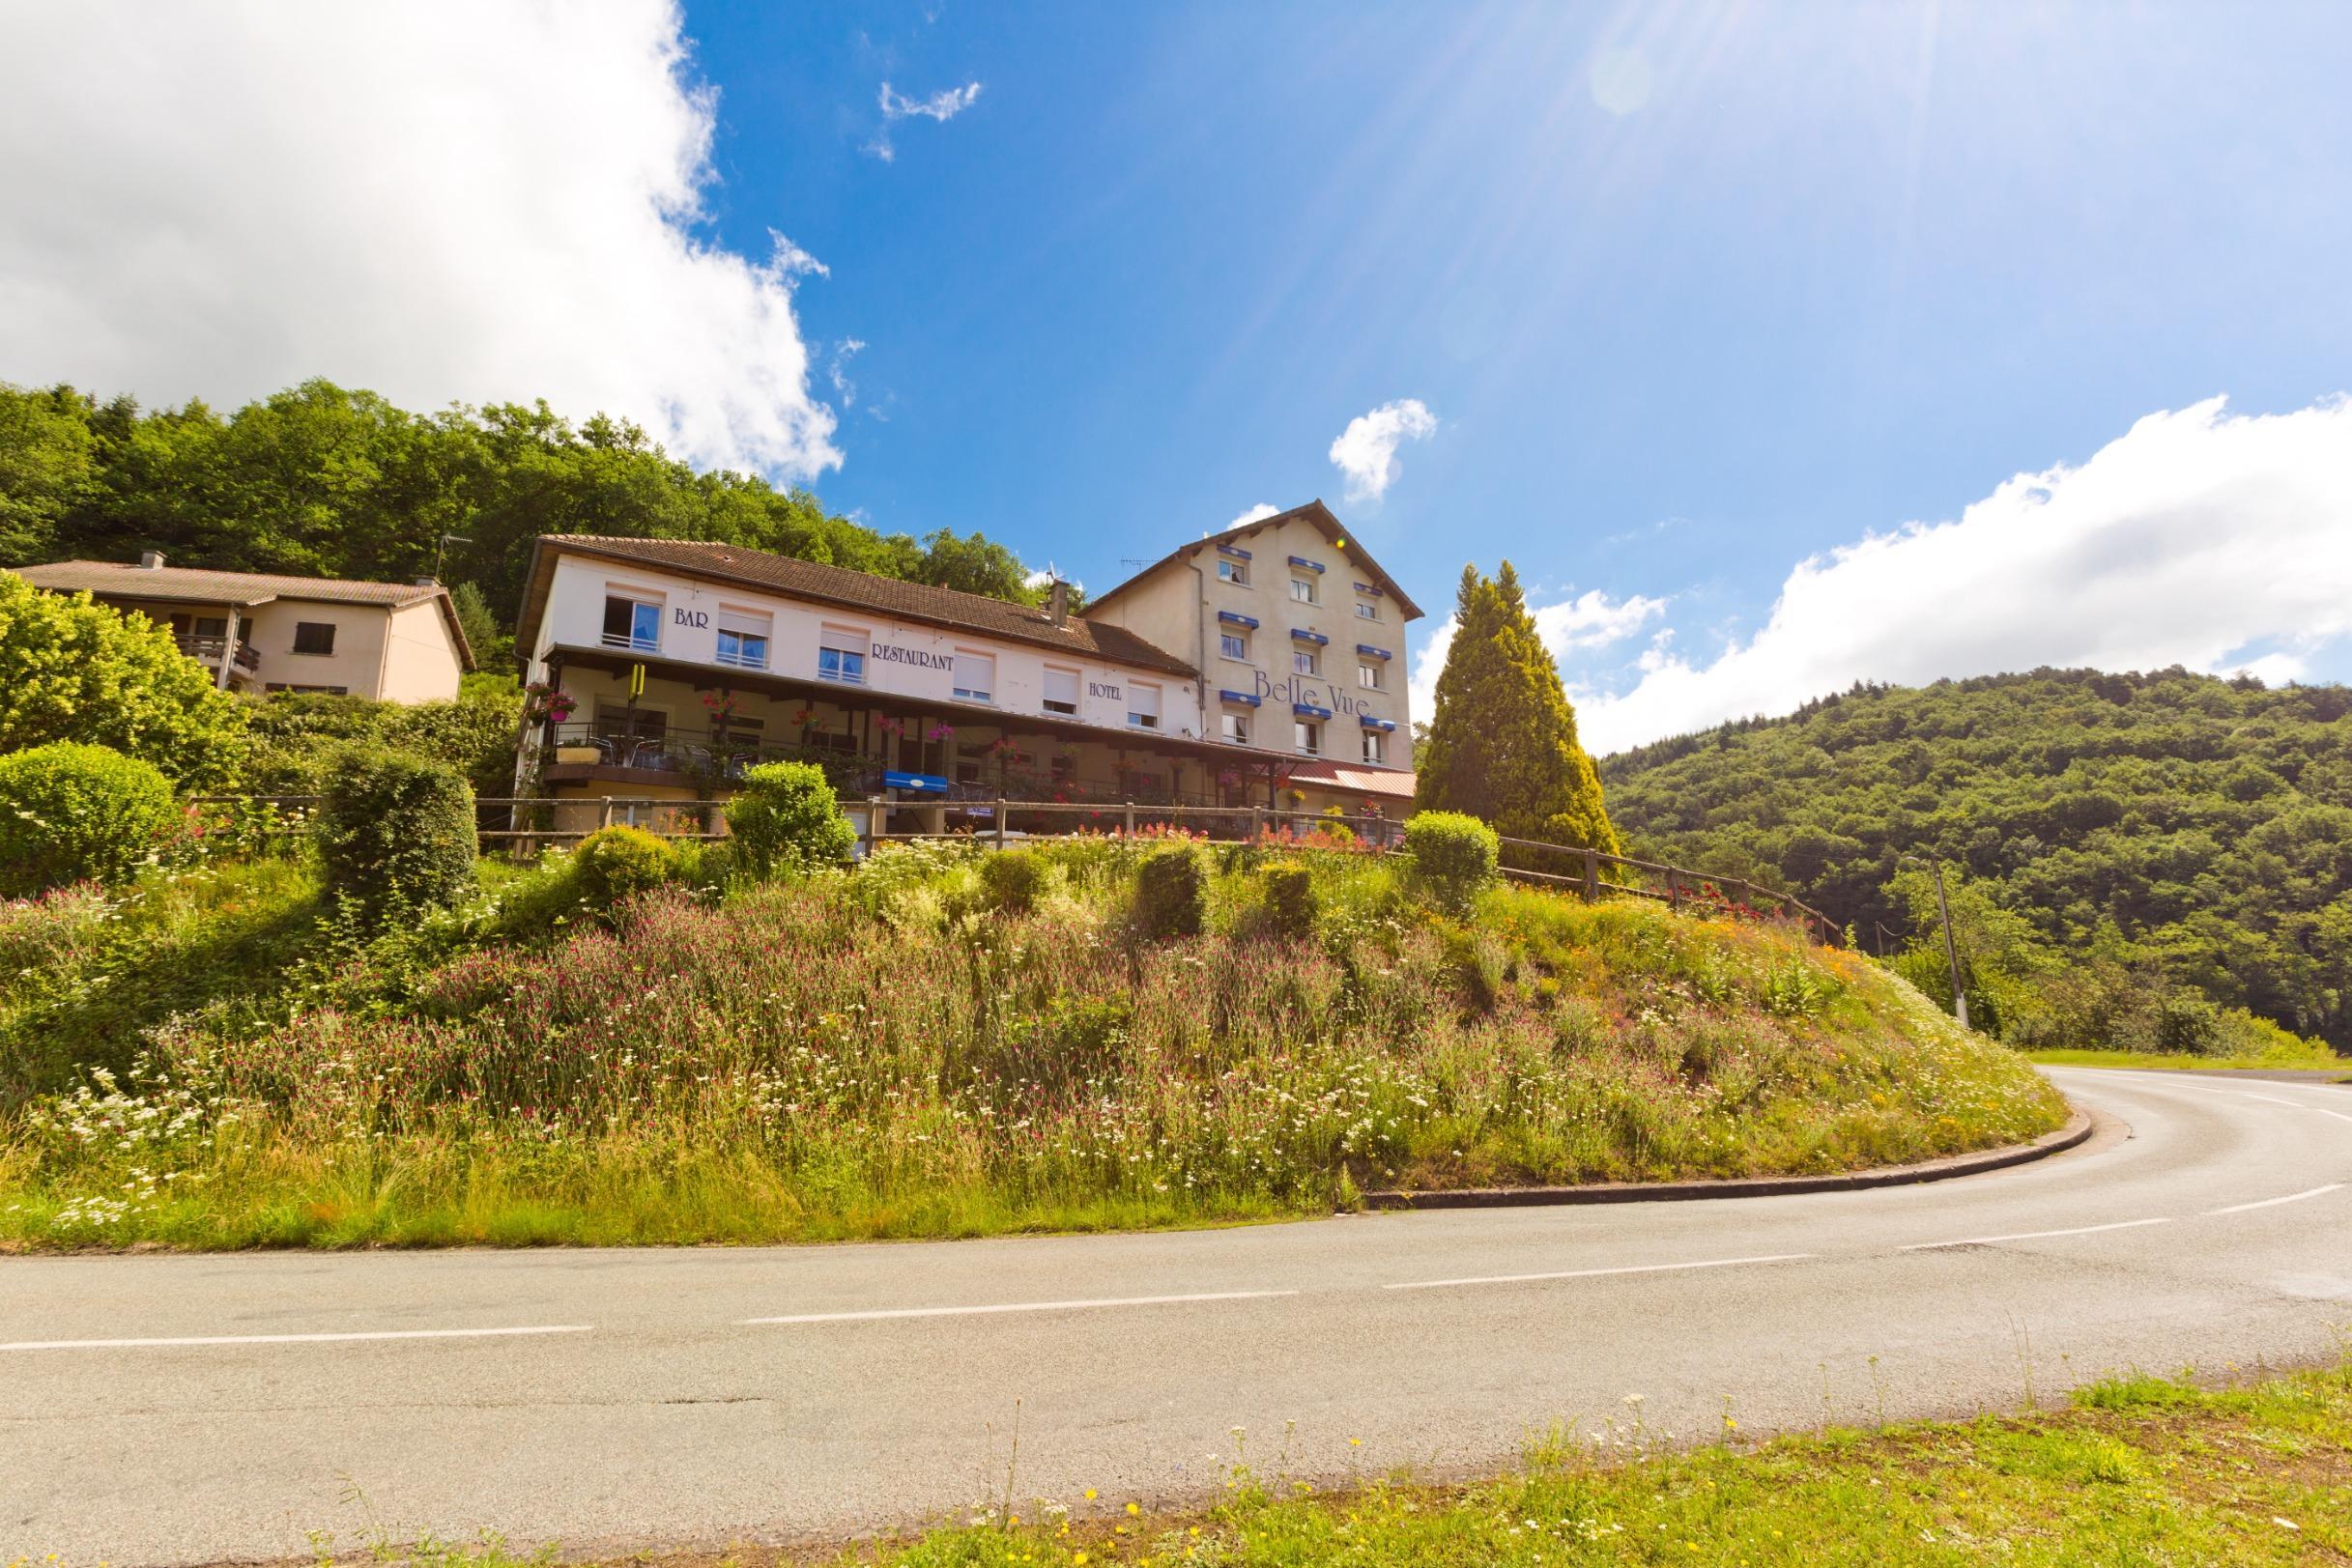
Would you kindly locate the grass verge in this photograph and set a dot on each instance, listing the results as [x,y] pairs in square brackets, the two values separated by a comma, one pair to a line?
[2138,1470]
[2321,1060]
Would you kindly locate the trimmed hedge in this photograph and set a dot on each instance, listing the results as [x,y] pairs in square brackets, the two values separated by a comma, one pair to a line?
[394,832]
[1171,892]
[785,819]
[71,813]
[1454,858]
[1289,898]
[617,863]
[1012,879]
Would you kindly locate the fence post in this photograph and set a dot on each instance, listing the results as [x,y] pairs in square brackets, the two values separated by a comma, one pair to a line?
[606,820]
[1130,819]
[1591,874]
[1674,889]
[874,824]
[1000,821]
[1257,823]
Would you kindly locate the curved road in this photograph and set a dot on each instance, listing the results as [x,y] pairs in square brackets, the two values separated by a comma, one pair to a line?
[186,1410]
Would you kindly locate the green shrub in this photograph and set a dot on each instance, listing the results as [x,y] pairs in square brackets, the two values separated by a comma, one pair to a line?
[1171,892]
[1454,858]
[1288,898]
[71,813]
[785,819]
[617,863]
[1013,880]
[394,832]
[2187,1024]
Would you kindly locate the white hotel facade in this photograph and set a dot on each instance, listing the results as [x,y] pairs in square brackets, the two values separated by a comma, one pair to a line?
[1261,665]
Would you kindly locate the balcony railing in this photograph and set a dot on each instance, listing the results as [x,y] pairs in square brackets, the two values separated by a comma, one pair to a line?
[209,650]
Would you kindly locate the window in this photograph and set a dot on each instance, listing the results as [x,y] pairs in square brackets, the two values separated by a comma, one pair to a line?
[1233,645]
[1375,746]
[1237,728]
[1310,736]
[1234,572]
[1303,589]
[1366,610]
[743,638]
[1305,661]
[630,622]
[1065,767]
[1143,705]
[289,686]
[972,761]
[840,655]
[311,636]
[1372,677]
[1061,690]
[975,677]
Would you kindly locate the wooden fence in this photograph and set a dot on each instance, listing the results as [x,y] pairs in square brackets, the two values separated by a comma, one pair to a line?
[1588,873]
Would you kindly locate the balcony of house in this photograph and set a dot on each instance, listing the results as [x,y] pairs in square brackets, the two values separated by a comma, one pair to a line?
[209,650]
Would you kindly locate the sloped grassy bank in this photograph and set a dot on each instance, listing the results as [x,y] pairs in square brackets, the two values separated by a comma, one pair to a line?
[927,1046]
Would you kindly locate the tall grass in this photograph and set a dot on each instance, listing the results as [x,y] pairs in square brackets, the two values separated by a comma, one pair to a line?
[883,1053]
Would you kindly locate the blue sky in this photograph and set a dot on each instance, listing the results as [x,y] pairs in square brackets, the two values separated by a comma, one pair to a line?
[1691,295]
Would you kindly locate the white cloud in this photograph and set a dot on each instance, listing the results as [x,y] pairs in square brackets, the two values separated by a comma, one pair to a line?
[943,105]
[837,371]
[1366,451]
[437,200]
[1591,621]
[1260,510]
[791,261]
[2200,538]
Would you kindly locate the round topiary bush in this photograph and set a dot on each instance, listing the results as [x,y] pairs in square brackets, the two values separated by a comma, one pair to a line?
[785,818]
[394,832]
[1454,858]
[616,863]
[71,813]
[1013,878]
[1172,893]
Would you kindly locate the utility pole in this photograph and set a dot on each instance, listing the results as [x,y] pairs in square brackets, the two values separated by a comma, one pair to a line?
[1951,954]
[442,545]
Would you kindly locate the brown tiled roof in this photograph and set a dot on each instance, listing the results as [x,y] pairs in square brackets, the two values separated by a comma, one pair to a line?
[1315,512]
[202,586]
[1076,636]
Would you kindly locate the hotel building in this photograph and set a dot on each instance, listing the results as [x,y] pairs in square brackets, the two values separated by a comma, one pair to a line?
[1261,666]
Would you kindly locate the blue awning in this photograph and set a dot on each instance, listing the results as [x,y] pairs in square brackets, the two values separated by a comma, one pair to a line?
[927,783]
[1306,636]
[1371,723]
[1301,560]
[1235,550]
[1243,697]
[1370,588]
[1236,617]
[1308,710]
[1371,652]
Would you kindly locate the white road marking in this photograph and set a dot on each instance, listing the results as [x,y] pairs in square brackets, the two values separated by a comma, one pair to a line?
[1594,1274]
[1017,1306]
[2265,1203]
[2031,1236]
[288,1339]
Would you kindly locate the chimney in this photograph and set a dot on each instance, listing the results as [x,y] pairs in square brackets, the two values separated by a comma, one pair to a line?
[151,560]
[428,581]
[1059,605]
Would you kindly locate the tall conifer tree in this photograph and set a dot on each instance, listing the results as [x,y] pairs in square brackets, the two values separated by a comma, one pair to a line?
[1501,741]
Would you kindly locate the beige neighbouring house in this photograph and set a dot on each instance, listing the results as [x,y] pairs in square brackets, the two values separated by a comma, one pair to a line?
[258,632]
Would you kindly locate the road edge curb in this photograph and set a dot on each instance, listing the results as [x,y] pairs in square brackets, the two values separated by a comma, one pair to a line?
[2076,1133]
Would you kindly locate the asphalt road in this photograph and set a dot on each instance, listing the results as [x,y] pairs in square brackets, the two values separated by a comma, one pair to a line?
[190,1410]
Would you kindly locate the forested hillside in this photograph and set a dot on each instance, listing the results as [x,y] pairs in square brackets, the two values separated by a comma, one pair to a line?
[323,480]
[2189,830]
